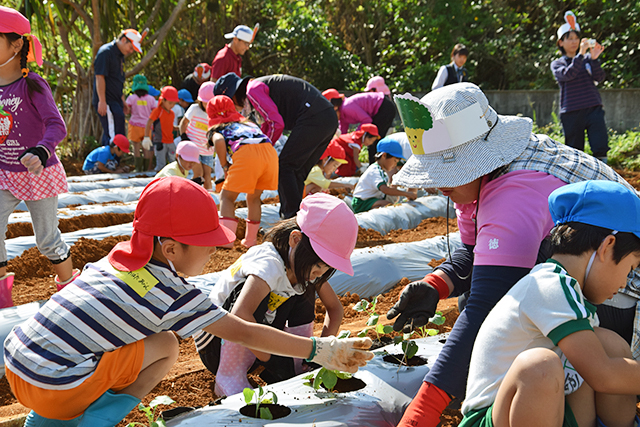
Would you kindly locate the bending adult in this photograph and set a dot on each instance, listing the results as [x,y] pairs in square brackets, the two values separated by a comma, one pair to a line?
[229,58]
[499,176]
[286,103]
[108,84]
[201,73]
[366,107]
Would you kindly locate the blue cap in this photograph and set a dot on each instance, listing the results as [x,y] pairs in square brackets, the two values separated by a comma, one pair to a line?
[185,95]
[153,91]
[390,147]
[227,85]
[606,204]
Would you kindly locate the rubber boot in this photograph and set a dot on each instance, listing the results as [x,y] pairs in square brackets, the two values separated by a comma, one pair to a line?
[425,409]
[231,224]
[108,410]
[6,285]
[139,163]
[60,285]
[251,234]
[35,420]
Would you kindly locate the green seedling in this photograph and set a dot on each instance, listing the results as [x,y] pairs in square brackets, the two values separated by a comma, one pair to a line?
[423,332]
[326,377]
[150,412]
[260,399]
[364,306]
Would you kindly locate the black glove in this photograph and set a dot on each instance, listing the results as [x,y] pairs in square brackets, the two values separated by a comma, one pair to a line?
[198,180]
[158,146]
[416,305]
[39,151]
[184,137]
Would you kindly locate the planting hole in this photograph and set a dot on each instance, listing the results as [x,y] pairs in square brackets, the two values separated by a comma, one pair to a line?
[396,359]
[277,411]
[347,385]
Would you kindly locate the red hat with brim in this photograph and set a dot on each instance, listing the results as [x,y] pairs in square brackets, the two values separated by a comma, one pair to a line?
[221,109]
[169,93]
[161,212]
[121,142]
[370,129]
[332,94]
[336,152]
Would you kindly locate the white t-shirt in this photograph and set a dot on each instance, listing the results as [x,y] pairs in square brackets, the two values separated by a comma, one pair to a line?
[370,181]
[198,127]
[178,113]
[539,311]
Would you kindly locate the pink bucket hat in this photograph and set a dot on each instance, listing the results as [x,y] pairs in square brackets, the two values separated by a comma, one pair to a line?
[205,93]
[12,21]
[332,229]
[188,151]
[377,83]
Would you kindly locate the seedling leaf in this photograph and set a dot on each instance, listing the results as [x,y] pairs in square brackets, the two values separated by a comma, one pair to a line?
[329,379]
[265,414]
[344,334]
[161,400]
[248,395]
[438,319]
[373,320]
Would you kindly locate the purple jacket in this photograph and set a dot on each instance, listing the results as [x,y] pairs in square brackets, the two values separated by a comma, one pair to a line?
[27,120]
[359,108]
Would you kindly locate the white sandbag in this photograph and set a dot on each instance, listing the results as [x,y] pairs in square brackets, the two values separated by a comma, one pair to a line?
[376,269]
[388,391]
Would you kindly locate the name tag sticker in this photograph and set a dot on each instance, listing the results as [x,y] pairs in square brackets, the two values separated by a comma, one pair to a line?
[141,102]
[202,126]
[140,280]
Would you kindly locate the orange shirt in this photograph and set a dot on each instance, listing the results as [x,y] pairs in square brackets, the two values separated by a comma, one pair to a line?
[166,123]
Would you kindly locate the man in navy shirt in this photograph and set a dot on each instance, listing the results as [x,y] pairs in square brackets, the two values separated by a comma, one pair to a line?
[109,82]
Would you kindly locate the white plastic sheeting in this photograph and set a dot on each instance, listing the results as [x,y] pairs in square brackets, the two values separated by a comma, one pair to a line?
[12,316]
[375,269]
[76,187]
[127,207]
[381,403]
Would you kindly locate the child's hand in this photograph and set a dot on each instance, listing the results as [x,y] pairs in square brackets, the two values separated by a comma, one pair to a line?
[32,163]
[411,195]
[345,355]
[146,143]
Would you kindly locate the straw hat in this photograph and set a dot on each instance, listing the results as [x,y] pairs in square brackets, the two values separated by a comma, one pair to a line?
[456,137]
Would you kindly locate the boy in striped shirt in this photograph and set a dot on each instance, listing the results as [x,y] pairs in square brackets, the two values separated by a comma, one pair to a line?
[93,351]
[539,358]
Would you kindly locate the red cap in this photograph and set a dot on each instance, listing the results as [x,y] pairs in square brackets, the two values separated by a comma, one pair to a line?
[336,152]
[169,93]
[121,142]
[221,109]
[161,212]
[370,129]
[332,94]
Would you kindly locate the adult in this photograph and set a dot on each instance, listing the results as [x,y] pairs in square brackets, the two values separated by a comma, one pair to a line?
[192,83]
[366,107]
[229,58]
[377,84]
[455,71]
[499,176]
[287,103]
[108,99]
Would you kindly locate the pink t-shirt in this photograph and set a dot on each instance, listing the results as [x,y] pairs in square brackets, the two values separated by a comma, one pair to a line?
[141,108]
[513,218]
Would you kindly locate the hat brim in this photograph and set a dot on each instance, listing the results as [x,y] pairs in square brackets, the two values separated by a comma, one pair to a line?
[331,259]
[341,161]
[469,161]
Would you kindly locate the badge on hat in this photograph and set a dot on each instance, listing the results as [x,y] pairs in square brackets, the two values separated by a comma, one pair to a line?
[570,24]
[427,136]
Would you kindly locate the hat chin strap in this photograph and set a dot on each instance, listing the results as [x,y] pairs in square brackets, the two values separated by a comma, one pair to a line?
[9,60]
[168,260]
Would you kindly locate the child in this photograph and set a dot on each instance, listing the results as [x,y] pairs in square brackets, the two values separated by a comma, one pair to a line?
[275,284]
[184,101]
[372,188]
[29,167]
[107,159]
[539,358]
[352,143]
[186,159]
[159,129]
[455,71]
[194,126]
[319,178]
[141,105]
[577,74]
[114,340]
[254,168]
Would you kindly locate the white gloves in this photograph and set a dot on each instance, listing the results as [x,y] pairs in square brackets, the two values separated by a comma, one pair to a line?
[345,355]
[146,143]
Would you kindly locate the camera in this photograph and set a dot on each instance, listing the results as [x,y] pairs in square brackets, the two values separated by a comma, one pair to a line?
[592,43]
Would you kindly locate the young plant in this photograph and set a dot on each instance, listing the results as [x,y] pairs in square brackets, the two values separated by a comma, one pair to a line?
[150,412]
[364,306]
[326,377]
[260,399]
[423,332]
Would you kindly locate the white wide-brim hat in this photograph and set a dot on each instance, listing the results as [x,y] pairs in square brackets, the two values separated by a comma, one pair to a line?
[456,137]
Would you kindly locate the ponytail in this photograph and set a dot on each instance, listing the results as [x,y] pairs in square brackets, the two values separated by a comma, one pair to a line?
[32,85]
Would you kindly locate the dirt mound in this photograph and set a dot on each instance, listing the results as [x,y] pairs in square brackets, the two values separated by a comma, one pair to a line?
[67,225]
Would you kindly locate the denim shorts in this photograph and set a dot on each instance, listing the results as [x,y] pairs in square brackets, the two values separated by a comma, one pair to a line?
[206,160]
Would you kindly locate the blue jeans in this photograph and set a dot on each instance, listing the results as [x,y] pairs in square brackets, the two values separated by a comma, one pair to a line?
[574,123]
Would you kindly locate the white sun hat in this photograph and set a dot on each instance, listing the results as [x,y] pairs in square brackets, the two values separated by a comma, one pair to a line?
[456,137]
[570,24]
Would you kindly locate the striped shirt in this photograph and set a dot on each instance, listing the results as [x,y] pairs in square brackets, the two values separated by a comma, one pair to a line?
[197,128]
[576,78]
[62,344]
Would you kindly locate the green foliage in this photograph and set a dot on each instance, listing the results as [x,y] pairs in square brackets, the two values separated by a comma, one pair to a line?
[625,150]
[437,319]
[150,412]
[364,306]
[260,399]
[326,377]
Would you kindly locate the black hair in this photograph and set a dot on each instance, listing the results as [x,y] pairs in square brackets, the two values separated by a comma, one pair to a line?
[576,238]
[564,36]
[203,105]
[141,92]
[241,93]
[337,102]
[305,257]
[380,154]
[32,85]
[369,135]
[459,49]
